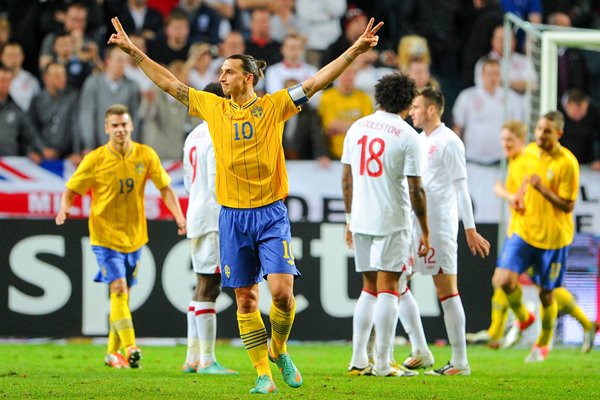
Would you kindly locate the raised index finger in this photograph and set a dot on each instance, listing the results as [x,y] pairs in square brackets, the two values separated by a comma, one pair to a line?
[369,25]
[117,25]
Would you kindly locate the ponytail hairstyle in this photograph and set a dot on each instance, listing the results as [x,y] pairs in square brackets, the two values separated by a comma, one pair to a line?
[252,66]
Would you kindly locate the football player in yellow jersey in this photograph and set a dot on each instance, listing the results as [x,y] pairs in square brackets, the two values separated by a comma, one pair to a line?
[542,236]
[251,183]
[117,174]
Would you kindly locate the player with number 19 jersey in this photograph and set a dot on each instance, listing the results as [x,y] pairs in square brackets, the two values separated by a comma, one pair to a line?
[382,150]
[117,217]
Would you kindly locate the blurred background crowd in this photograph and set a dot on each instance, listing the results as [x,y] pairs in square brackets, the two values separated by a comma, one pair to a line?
[57,76]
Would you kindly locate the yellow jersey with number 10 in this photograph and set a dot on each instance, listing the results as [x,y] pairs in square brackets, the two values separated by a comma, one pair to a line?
[248,146]
[117,217]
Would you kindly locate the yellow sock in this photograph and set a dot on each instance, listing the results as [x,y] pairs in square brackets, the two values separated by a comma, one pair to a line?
[548,316]
[499,314]
[567,305]
[254,337]
[281,325]
[515,300]
[114,343]
[120,317]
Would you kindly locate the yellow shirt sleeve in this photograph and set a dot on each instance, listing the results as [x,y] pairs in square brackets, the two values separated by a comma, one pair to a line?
[156,172]
[85,175]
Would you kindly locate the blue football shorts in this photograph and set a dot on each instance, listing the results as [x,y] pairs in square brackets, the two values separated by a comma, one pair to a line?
[113,265]
[254,243]
[548,265]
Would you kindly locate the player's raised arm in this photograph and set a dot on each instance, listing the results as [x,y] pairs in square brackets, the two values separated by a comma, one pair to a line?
[326,75]
[156,72]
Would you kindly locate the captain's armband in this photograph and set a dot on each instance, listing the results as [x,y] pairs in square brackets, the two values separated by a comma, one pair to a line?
[297,94]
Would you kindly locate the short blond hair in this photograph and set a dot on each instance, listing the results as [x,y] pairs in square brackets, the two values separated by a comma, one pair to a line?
[116,109]
[518,128]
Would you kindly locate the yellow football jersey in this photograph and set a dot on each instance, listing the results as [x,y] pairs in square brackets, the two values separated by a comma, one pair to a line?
[514,179]
[117,217]
[248,146]
[335,105]
[543,225]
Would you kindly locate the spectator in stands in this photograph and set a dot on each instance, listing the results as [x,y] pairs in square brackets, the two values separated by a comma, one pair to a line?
[368,72]
[582,128]
[175,45]
[78,68]
[418,70]
[521,70]
[527,10]
[204,24]
[260,44]
[100,92]
[133,70]
[284,20]
[579,11]
[137,18]
[488,15]
[319,22]
[166,120]
[24,85]
[54,114]
[355,22]
[444,24]
[226,10]
[340,106]
[75,24]
[232,44]
[19,136]
[572,67]
[303,135]
[412,47]
[4,30]
[198,64]
[478,115]
[292,66]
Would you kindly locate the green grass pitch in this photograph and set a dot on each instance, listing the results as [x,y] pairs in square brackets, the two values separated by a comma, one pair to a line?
[76,371]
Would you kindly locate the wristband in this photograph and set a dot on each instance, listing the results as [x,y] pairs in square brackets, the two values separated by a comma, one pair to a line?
[348,216]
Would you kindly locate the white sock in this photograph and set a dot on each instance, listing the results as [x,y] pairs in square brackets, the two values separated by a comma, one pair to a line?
[193,345]
[206,321]
[410,318]
[385,319]
[454,318]
[362,323]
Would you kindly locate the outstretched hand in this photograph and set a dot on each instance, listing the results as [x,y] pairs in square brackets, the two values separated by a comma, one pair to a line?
[369,39]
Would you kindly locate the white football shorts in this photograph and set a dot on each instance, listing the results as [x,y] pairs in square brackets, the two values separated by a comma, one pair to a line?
[442,256]
[205,253]
[382,253]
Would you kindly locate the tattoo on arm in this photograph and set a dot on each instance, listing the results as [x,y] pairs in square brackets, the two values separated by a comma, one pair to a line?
[182,93]
[137,58]
[347,58]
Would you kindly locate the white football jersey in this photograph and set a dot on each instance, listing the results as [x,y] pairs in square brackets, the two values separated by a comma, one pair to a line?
[443,162]
[382,151]
[199,171]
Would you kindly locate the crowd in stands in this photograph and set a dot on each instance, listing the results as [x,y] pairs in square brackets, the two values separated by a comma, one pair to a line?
[57,76]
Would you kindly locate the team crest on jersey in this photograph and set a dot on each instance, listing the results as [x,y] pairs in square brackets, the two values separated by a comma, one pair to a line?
[549,175]
[257,111]
[227,271]
[139,168]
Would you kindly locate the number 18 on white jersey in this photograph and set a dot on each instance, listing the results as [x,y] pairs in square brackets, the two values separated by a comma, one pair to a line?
[382,151]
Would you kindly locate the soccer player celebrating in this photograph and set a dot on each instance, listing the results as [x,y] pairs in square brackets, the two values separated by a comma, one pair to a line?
[251,183]
[445,182]
[542,236]
[380,156]
[203,231]
[117,174]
